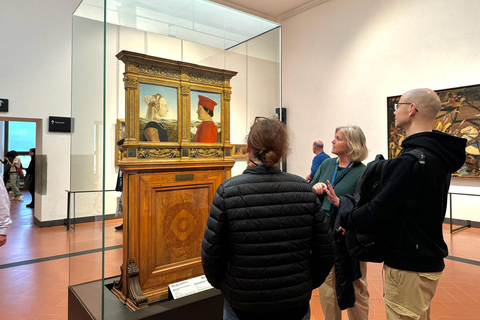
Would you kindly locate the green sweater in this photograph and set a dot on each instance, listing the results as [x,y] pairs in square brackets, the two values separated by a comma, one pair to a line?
[345,185]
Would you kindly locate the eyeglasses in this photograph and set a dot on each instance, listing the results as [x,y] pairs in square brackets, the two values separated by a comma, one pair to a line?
[395,105]
[255,164]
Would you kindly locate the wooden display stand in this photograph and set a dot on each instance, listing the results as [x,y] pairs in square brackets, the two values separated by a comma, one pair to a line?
[168,185]
[83,304]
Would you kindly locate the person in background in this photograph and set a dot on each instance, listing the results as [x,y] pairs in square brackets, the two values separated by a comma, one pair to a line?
[342,174]
[119,185]
[29,181]
[414,226]
[320,156]
[14,163]
[5,220]
[265,244]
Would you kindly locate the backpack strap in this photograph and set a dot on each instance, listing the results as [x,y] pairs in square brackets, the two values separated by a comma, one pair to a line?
[417,173]
[368,178]
[410,201]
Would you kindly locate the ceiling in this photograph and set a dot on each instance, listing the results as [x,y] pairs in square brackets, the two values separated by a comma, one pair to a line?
[210,23]
[275,10]
[197,21]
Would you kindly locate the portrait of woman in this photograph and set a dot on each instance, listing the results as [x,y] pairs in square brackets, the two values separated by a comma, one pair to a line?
[158,113]
[157,109]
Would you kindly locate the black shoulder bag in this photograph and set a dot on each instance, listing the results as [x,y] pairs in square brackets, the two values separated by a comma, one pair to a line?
[372,246]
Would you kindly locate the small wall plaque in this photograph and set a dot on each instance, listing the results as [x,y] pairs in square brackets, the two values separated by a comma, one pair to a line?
[3,105]
[60,124]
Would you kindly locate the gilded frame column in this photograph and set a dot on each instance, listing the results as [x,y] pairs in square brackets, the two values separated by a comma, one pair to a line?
[185,116]
[131,114]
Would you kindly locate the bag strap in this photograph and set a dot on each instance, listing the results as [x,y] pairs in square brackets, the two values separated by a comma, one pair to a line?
[417,172]
[410,202]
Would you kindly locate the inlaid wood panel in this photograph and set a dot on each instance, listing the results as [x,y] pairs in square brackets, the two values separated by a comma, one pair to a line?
[167,209]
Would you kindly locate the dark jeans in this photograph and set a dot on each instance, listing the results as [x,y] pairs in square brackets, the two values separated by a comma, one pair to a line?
[229,314]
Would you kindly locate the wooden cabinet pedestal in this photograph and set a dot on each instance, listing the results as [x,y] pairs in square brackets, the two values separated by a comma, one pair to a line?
[166,206]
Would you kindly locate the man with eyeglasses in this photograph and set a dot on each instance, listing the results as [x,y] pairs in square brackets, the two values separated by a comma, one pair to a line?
[415,264]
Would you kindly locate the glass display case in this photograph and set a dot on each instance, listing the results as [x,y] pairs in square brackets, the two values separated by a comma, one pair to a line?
[191,31]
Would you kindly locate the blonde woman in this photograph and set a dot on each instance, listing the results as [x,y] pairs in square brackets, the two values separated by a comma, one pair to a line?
[342,174]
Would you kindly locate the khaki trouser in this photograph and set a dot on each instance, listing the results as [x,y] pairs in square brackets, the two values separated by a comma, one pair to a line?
[328,297]
[408,294]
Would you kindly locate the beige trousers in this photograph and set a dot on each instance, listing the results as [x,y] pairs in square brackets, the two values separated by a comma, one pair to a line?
[328,297]
[408,294]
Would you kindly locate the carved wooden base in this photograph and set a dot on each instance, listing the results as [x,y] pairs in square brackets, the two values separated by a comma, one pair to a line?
[136,300]
[118,284]
[117,287]
[119,294]
[166,207]
[135,296]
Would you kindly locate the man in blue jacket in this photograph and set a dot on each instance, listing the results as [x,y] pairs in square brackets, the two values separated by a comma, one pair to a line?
[415,264]
[320,156]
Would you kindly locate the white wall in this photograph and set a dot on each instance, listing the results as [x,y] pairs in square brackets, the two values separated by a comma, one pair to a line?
[35,59]
[341,60]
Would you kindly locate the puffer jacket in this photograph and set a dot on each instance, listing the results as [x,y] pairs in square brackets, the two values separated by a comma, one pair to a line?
[265,244]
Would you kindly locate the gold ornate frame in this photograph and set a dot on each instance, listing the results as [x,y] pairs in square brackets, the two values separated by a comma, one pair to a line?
[239,151]
[140,68]
[119,134]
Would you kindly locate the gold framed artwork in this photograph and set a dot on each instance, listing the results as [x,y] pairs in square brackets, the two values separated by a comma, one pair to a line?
[458,116]
[205,123]
[158,113]
[177,152]
[119,134]
[175,111]
[239,151]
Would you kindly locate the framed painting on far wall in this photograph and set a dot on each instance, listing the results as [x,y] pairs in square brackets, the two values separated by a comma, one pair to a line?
[239,151]
[459,116]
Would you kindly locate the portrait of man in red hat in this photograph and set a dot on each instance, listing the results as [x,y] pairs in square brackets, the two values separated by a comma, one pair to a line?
[207,131]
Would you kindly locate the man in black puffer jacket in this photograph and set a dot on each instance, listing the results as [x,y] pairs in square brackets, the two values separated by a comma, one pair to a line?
[265,244]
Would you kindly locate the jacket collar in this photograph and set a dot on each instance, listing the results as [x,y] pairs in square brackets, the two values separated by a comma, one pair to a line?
[262,170]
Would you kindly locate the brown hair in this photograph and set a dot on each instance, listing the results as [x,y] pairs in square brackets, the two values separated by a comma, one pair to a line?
[268,140]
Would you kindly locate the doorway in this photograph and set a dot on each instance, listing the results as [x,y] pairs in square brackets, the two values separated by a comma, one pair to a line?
[22,134]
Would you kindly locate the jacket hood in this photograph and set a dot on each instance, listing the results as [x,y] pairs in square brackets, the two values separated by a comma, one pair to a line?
[448,148]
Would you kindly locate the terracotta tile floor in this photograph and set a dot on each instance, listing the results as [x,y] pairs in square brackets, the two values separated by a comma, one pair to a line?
[35,270]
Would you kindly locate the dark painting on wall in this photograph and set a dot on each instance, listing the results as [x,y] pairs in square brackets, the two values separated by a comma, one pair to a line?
[459,116]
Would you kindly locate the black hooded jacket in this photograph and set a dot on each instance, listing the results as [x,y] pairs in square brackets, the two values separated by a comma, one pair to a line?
[422,247]
[265,244]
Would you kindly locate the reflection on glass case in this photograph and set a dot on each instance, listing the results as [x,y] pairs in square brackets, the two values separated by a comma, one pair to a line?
[173,161]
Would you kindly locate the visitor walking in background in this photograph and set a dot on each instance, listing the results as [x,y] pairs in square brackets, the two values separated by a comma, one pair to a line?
[29,181]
